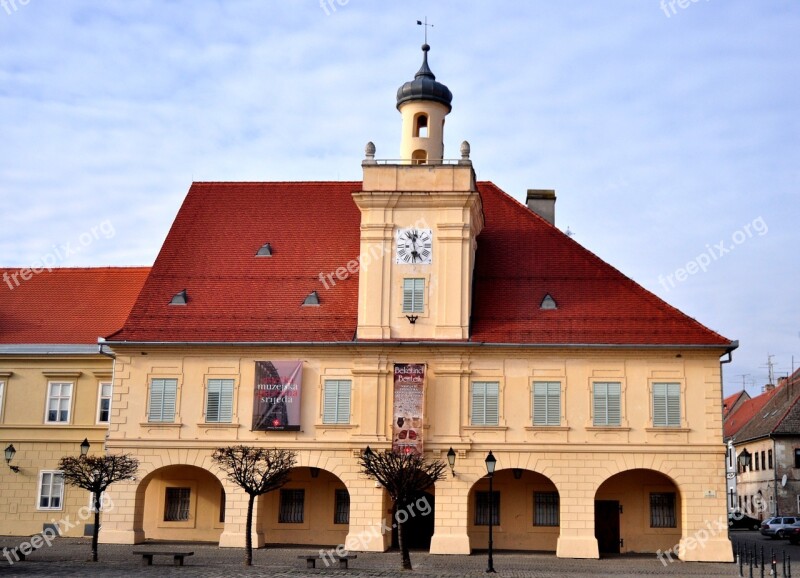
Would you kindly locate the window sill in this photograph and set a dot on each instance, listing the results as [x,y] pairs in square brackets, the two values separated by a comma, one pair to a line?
[485,428]
[547,428]
[218,425]
[161,424]
[609,428]
[334,426]
[667,429]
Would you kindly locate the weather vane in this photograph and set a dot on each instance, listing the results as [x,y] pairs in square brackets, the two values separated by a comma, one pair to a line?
[426,25]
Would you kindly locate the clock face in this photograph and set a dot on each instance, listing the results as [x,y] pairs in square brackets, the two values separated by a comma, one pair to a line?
[414,246]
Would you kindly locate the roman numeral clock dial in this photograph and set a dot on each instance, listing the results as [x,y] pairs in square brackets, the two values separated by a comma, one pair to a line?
[414,246]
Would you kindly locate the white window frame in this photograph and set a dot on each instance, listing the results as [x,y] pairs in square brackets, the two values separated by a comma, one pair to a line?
[333,394]
[162,382]
[666,398]
[224,386]
[40,488]
[101,397]
[413,295]
[481,420]
[2,396]
[606,421]
[552,415]
[49,398]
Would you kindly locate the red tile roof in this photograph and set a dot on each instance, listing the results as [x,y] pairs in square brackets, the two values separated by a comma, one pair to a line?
[729,403]
[66,305]
[314,228]
[776,413]
[739,418]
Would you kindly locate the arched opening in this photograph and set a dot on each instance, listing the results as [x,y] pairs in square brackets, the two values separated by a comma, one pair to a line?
[180,502]
[421,125]
[419,157]
[312,508]
[526,511]
[419,520]
[637,511]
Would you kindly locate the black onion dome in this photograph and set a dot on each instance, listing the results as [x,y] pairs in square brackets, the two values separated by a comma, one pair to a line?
[424,86]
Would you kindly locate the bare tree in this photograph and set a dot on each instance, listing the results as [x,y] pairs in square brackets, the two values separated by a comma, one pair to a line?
[96,473]
[257,471]
[405,476]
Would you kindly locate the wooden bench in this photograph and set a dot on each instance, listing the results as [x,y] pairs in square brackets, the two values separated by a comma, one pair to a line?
[147,556]
[312,559]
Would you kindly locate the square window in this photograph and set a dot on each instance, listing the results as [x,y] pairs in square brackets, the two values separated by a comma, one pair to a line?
[177,504]
[545,509]
[546,403]
[607,403]
[666,404]
[485,403]
[51,490]
[336,401]
[341,512]
[219,401]
[482,508]
[662,510]
[104,402]
[161,406]
[59,400]
[413,295]
[292,505]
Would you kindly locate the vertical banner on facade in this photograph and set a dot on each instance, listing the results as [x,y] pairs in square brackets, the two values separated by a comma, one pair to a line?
[409,388]
[276,406]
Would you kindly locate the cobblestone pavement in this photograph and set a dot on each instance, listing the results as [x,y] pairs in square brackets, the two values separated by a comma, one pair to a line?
[69,557]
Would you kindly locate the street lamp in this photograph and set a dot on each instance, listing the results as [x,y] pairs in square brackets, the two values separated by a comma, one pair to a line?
[744,459]
[451,459]
[85,445]
[10,453]
[491,462]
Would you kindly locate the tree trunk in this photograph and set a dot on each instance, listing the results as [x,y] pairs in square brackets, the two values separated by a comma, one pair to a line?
[405,556]
[96,529]
[248,537]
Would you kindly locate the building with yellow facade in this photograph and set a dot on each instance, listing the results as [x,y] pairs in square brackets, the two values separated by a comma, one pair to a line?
[417,308]
[55,386]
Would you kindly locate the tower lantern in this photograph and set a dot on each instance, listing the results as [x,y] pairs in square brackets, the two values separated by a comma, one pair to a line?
[423,103]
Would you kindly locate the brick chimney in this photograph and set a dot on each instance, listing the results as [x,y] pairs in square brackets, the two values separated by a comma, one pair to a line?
[543,203]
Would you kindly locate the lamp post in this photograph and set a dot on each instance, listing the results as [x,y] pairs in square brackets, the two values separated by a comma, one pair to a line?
[451,460]
[10,453]
[491,461]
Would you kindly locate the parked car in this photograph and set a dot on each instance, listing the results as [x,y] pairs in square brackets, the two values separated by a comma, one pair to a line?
[776,527]
[741,520]
[793,533]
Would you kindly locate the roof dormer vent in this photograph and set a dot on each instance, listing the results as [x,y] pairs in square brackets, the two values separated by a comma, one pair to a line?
[312,300]
[548,303]
[180,298]
[264,251]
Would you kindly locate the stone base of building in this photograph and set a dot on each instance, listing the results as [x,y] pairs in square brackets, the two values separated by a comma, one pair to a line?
[577,547]
[712,550]
[239,539]
[121,536]
[450,544]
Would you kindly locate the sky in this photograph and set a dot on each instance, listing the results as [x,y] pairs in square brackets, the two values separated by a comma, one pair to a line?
[669,129]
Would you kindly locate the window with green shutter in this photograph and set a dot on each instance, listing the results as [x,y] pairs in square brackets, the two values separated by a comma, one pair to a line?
[546,403]
[666,404]
[336,401]
[607,404]
[161,406]
[413,295]
[219,401]
[485,403]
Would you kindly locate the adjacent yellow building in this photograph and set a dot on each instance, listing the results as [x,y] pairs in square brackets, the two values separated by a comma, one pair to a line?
[418,310]
[55,386]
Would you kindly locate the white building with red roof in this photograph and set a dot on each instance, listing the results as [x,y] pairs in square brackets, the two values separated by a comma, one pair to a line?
[415,310]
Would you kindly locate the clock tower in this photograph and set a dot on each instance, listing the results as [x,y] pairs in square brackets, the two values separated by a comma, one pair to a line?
[420,218]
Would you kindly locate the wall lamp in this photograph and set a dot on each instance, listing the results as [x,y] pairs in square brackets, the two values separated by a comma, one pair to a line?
[412,319]
[451,459]
[10,453]
[85,445]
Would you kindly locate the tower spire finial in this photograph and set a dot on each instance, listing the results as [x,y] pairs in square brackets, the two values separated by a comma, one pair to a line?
[426,25]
